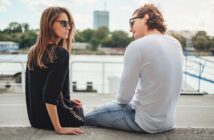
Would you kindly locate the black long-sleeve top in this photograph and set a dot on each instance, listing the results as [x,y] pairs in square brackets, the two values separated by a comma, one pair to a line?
[45,86]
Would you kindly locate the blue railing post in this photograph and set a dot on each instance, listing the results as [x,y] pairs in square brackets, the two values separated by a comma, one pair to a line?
[199,76]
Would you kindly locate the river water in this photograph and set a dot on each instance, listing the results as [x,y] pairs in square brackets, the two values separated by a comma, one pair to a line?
[104,72]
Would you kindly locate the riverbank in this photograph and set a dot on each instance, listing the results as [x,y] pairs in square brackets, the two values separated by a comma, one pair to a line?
[88,51]
[116,51]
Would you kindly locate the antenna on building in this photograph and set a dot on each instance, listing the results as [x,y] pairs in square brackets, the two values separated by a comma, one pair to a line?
[104,6]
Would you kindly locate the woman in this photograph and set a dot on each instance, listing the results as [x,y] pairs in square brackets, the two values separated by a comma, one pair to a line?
[47,73]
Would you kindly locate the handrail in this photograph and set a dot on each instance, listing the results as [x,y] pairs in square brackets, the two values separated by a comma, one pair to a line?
[103,63]
[195,67]
[199,68]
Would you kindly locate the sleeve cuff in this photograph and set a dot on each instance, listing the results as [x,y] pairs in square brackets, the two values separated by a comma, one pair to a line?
[53,102]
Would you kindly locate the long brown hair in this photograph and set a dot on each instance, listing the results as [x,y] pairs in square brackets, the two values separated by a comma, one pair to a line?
[46,33]
[156,20]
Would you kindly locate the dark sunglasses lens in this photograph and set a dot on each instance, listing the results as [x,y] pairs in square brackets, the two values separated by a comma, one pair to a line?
[64,23]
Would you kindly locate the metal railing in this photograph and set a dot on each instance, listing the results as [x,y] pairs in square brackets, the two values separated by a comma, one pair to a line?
[97,72]
[104,75]
[198,70]
[12,73]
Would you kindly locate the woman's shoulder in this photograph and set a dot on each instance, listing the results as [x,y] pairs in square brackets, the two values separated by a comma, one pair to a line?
[58,51]
[60,55]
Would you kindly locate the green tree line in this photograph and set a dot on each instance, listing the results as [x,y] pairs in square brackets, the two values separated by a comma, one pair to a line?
[19,33]
[201,41]
[26,37]
[104,38]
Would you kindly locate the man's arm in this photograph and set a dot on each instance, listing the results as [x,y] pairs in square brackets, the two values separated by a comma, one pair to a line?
[130,75]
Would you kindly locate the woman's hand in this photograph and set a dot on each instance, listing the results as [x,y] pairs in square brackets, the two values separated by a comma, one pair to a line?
[52,111]
[69,131]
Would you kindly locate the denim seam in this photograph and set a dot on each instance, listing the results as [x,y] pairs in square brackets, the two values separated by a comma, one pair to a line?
[109,111]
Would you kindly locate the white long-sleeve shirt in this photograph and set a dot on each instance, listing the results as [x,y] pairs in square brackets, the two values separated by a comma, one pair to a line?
[151,81]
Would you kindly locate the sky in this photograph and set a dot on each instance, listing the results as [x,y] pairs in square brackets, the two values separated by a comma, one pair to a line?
[192,15]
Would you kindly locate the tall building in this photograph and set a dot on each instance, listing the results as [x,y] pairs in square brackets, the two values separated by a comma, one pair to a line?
[101,19]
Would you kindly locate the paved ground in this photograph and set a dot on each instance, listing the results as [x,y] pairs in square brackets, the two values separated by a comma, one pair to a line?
[105,134]
[194,120]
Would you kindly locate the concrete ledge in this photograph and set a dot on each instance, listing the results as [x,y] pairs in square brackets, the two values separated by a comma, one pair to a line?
[194,121]
[192,93]
[29,133]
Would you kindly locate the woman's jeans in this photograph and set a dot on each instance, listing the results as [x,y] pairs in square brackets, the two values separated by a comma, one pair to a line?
[115,116]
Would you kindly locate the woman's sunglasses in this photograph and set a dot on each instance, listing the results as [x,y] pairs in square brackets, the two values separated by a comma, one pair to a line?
[64,23]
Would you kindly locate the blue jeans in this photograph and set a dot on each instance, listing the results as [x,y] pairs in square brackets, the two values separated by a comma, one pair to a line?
[115,116]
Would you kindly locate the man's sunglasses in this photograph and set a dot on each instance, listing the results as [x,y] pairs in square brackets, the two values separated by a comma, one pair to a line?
[131,20]
[64,23]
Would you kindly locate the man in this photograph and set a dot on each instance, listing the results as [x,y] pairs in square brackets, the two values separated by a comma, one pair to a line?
[151,79]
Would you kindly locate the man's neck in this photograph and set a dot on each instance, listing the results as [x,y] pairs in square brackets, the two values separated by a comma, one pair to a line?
[154,31]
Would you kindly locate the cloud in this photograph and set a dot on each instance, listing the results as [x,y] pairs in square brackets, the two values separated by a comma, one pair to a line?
[81,2]
[142,2]
[125,7]
[4,4]
[91,2]
[195,17]
[39,6]
[82,20]
[210,6]
[206,17]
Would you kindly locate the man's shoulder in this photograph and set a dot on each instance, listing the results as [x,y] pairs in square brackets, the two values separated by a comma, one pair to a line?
[146,39]
[143,41]
[155,39]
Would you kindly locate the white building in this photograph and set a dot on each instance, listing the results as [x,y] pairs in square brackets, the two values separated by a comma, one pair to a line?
[9,47]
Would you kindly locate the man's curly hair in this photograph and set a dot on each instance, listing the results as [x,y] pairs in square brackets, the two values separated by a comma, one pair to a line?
[155,20]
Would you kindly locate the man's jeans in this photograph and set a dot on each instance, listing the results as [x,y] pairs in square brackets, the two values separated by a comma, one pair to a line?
[115,116]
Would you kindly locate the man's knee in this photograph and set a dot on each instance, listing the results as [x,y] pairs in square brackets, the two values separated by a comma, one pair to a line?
[89,118]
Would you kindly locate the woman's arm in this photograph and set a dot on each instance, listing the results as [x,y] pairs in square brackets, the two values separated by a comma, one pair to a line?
[52,111]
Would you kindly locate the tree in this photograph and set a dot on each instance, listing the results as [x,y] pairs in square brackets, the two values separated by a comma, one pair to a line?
[94,42]
[101,33]
[25,27]
[180,38]
[5,37]
[27,39]
[210,44]
[95,37]
[201,41]
[120,39]
[107,42]
[13,27]
[79,37]
[87,34]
